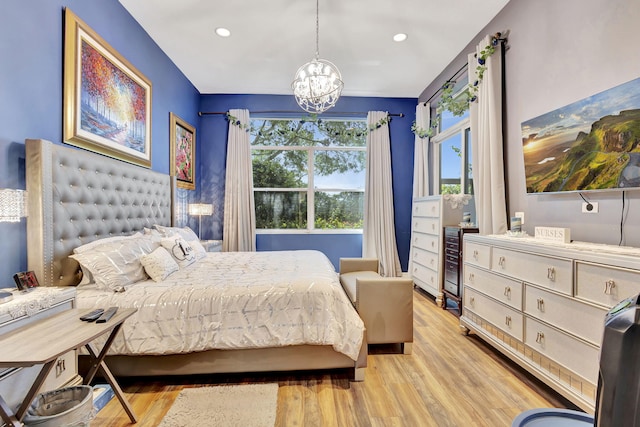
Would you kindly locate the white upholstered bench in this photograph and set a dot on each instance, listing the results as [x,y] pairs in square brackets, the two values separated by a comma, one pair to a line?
[385,304]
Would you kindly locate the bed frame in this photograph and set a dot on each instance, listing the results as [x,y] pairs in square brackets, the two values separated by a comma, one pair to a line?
[75,197]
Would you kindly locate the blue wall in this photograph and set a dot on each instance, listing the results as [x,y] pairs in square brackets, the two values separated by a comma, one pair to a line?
[213,142]
[31,48]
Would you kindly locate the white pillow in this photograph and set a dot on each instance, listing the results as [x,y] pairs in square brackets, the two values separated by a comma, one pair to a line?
[159,264]
[185,232]
[198,250]
[180,250]
[92,245]
[116,264]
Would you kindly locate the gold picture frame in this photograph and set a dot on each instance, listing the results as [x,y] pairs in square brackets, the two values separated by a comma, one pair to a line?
[107,101]
[183,152]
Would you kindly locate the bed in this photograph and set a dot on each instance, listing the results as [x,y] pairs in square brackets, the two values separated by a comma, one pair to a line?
[225,312]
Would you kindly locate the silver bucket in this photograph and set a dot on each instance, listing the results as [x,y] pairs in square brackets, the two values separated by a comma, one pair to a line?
[69,407]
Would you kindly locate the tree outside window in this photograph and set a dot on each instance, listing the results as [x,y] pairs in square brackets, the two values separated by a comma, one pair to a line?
[308,174]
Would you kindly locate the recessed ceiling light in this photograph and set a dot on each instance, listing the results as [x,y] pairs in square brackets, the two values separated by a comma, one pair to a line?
[400,37]
[223,32]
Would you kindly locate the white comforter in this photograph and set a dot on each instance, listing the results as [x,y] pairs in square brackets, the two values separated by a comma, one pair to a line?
[236,300]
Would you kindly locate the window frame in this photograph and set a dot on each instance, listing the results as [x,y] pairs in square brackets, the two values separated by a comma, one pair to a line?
[311,189]
[463,128]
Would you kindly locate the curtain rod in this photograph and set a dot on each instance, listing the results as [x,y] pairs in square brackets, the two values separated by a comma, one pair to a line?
[502,38]
[207,113]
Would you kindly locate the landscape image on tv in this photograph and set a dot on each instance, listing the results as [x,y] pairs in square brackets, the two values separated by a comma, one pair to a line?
[592,144]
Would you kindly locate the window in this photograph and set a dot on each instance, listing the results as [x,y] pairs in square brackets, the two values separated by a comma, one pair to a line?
[308,174]
[452,150]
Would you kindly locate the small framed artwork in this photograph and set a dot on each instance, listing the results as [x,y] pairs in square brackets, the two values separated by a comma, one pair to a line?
[183,152]
[107,101]
[25,280]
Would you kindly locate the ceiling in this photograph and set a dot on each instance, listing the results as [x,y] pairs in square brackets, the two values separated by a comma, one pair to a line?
[271,39]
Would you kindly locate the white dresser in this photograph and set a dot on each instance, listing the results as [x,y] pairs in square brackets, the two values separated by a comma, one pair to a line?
[26,308]
[430,214]
[543,304]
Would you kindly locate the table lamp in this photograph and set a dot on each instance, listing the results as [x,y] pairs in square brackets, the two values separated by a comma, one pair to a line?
[13,207]
[200,210]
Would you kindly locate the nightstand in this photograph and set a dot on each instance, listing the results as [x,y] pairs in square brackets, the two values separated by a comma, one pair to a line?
[26,308]
[212,245]
[62,333]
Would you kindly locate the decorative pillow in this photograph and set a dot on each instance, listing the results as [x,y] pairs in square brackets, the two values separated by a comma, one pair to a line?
[198,250]
[185,232]
[159,264]
[116,264]
[180,250]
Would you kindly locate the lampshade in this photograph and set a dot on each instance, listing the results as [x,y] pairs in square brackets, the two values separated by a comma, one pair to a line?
[13,205]
[317,84]
[200,209]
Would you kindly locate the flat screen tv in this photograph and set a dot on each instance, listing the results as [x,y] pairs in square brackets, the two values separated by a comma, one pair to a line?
[592,144]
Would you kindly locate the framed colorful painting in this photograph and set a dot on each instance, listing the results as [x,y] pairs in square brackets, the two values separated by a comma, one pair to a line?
[107,101]
[183,152]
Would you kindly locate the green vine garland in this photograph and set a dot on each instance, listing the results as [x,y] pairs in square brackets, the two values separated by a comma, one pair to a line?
[313,118]
[457,106]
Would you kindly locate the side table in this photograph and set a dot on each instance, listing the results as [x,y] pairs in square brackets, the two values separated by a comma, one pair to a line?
[212,245]
[41,343]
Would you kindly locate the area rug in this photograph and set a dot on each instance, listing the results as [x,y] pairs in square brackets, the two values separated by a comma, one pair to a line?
[247,405]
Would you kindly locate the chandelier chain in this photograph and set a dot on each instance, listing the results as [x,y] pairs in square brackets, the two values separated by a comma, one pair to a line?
[317,29]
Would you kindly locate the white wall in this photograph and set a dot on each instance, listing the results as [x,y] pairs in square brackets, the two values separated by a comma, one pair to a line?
[561,52]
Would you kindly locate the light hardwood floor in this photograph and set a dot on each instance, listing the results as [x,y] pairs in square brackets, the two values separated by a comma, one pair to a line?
[449,380]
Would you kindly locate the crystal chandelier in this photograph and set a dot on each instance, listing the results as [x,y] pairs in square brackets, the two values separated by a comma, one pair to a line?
[318,83]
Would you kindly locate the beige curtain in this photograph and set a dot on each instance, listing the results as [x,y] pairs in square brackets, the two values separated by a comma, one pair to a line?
[421,152]
[379,234]
[486,140]
[239,214]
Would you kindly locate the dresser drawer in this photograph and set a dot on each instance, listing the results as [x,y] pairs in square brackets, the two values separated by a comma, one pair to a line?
[451,271]
[426,279]
[427,225]
[505,290]
[552,273]
[476,254]
[605,285]
[501,316]
[426,275]
[426,208]
[425,258]
[578,318]
[430,242]
[451,287]
[573,354]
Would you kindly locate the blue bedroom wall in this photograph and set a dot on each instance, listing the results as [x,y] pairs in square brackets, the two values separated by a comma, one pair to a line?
[31,48]
[212,159]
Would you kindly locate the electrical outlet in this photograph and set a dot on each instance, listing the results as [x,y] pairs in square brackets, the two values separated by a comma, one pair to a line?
[521,216]
[591,207]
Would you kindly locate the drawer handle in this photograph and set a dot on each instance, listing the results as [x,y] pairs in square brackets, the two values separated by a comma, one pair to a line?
[507,291]
[475,254]
[507,321]
[540,337]
[471,277]
[433,243]
[551,273]
[60,367]
[608,287]
[472,301]
[540,302]
[502,261]
[433,261]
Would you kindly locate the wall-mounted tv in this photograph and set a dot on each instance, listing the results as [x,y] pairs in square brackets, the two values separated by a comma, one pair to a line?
[592,144]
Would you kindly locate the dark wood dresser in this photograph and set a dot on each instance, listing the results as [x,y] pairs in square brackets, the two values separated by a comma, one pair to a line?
[453,267]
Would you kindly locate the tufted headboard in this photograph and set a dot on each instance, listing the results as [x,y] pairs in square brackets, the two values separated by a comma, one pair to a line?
[75,197]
